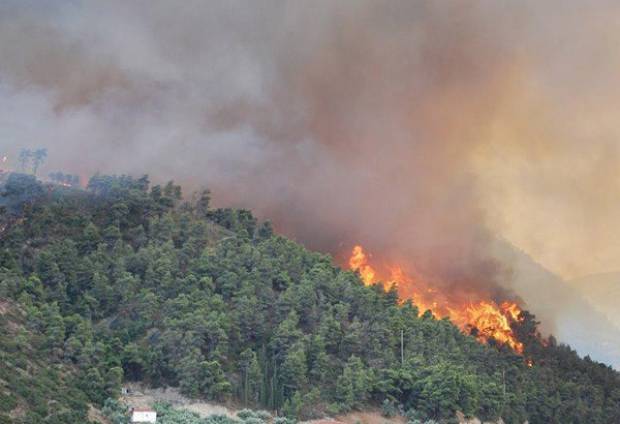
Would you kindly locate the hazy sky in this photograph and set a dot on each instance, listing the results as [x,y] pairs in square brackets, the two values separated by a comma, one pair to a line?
[422,129]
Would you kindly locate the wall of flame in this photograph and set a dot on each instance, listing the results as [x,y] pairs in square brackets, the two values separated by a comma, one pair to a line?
[483,318]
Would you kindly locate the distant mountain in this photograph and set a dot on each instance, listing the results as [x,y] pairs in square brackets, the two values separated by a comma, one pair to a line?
[577,313]
[603,292]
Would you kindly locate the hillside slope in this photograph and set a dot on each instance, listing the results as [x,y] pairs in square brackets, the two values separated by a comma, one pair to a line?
[566,308]
[33,388]
[127,282]
[602,290]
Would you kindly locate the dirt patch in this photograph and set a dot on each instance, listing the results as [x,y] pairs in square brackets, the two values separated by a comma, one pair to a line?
[369,417]
[206,409]
[375,417]
[18,412]
[95,415]
[144,397]
[4,306]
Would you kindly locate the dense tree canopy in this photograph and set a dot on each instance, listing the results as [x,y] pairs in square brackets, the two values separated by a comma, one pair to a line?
[126,281]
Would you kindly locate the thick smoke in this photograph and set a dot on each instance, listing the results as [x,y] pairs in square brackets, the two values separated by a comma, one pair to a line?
[424,130]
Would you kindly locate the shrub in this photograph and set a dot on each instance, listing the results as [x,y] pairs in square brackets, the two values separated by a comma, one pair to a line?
[284,420]
[115,411]
[219,419]
[7,402]
[389,409]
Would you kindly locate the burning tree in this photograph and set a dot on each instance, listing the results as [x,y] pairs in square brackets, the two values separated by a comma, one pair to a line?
[66,180]
[484,319]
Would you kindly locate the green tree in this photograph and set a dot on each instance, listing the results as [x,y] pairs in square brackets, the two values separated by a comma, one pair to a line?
[353,387]
[252,376]
[54,329]
[25,156]
[38,157]
[294,370]
[113,380]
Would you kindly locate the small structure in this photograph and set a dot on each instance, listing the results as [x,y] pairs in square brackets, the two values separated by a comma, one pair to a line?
[139,415]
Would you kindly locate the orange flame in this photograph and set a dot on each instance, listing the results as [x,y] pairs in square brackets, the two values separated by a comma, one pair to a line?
[484,319]
[487,320]
[359,262]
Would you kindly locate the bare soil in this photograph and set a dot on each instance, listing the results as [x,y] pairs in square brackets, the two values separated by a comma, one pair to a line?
[144,397]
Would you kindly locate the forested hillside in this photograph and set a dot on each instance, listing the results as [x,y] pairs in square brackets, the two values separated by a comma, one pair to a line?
[32,385]
[127,281]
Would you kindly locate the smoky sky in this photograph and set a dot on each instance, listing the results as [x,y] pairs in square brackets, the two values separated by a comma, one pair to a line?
[424,130]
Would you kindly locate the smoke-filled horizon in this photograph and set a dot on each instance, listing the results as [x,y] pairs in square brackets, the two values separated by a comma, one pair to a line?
[423,130]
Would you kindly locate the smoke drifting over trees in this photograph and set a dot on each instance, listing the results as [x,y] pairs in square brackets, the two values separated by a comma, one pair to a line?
[424,130]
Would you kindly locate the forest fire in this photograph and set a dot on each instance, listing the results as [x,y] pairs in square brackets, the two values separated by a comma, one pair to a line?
[359,262]
[484,319]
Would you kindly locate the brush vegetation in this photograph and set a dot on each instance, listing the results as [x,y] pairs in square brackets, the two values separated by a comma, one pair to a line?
[126,281]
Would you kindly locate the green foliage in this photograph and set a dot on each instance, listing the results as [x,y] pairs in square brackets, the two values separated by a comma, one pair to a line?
[116,412]
[166,414]
[19,192]
[127,281]
[202,378]
[29,382]
[284,420]
[353,387]
[389,409]
[34,158]
[248,416]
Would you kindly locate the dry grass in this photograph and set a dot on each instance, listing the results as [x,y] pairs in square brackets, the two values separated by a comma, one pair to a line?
[144,397]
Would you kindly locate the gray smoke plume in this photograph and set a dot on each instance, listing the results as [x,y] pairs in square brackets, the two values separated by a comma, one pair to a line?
[423,130]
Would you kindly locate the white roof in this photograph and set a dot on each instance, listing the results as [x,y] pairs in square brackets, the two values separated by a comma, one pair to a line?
[143,416]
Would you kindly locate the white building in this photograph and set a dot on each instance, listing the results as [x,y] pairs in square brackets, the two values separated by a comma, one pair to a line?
[143,416]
